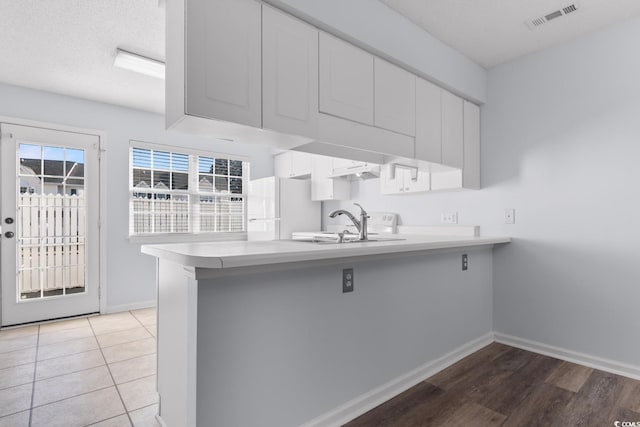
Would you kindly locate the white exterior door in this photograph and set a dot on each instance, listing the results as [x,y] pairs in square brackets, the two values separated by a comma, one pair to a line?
[50,232]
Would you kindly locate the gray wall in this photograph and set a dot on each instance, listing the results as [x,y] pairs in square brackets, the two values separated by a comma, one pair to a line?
[562,135]
[560,144]
[278,349]
[130,275]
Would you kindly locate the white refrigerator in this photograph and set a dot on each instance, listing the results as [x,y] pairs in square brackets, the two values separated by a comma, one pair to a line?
[279,206]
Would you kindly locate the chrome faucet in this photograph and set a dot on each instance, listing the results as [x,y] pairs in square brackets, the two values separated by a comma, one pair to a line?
[361,224]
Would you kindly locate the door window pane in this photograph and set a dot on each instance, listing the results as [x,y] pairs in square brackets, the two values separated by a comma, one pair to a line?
[50,221]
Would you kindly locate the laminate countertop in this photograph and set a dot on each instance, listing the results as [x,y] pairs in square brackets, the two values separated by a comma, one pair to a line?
[234,254]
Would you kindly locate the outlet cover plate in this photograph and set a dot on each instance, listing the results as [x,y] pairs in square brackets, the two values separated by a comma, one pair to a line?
[449,218]
[347,280]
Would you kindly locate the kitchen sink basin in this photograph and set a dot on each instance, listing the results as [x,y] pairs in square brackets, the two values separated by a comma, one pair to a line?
[331,238]
[328,242]
[335,241]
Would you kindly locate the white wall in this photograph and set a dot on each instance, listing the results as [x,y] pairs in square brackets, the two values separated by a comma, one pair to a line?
[130,275]
[376,27]
[561,145]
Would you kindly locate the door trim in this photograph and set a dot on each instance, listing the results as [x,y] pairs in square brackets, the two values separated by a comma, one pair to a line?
[102,185]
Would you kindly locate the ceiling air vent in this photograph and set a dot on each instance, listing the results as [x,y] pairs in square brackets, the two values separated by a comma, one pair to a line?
[553,15]
[540,21]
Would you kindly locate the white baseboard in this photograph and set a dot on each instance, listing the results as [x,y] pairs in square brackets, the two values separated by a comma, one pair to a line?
[364,403]
[133,306]
[606,365]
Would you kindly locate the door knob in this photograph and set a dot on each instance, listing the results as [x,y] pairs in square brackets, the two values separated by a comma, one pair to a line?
[8,220]
[9,234]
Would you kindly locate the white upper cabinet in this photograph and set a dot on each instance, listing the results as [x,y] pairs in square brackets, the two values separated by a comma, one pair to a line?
[471,169]
[395,98]
[400,180]
[289,74]
[428,121]
[223,61]
[245,71]
[323,187]
[346,80]
[469,175]
[452,130]
[293,164]
[390,181]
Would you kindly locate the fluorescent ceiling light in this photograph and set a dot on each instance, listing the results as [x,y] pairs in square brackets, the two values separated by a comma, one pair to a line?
[139,64]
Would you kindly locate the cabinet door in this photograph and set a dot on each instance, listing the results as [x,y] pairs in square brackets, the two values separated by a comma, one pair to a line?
[300,164]
[323,187]
[282,165]
[402,182]
[420,184]
[471,168]
[428,121]
[346,80]
[388,183]
[292,164]
[224,60]
[395,98]
[289,74]
[452,130]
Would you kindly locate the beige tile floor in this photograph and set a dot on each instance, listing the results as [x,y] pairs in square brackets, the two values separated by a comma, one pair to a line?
[98,371]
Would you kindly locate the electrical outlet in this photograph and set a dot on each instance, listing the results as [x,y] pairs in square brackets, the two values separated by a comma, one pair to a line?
[510,216]
[347,280]
[449,218]
[465,262]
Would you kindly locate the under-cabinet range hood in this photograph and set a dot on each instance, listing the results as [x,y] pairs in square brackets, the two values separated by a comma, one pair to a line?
[361,171]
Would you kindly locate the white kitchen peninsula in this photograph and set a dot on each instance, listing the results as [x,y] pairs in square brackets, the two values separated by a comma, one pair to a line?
[261,334]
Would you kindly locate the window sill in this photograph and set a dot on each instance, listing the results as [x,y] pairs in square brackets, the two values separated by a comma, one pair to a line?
[187,238]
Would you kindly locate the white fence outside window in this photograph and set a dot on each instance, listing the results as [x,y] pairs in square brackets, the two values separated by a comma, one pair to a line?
[178,191]
[52,242]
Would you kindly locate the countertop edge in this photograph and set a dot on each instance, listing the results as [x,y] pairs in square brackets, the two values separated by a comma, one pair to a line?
[166,252]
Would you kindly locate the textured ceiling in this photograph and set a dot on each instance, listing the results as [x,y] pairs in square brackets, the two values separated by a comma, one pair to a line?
[68,47]
[491,32]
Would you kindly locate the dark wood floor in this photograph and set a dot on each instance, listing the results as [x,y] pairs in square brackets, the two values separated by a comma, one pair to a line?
[505,386]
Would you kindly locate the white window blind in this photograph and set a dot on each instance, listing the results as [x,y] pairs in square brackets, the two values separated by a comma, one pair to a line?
[178,192]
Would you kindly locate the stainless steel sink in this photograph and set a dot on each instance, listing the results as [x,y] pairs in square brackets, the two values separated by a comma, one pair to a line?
[348,242]
[333,238]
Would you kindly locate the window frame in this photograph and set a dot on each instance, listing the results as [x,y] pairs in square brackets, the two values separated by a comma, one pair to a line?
[193,193]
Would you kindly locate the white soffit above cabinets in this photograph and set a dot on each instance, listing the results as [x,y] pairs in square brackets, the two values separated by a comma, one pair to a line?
[69,46]
[491,32]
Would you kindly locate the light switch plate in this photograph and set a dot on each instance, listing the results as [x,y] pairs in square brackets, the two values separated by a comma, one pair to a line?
[510,216]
